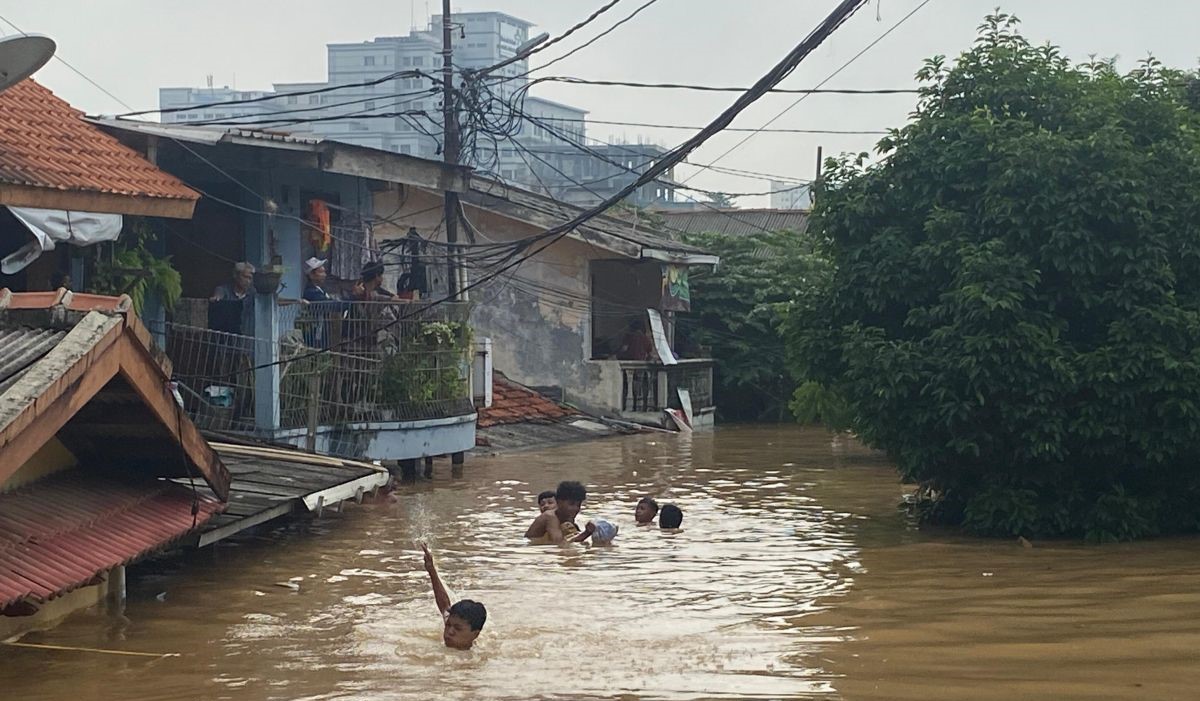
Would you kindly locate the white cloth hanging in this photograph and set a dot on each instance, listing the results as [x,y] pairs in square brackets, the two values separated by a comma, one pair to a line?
[50,226]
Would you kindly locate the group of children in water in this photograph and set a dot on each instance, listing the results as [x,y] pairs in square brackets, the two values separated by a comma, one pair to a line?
[555,523]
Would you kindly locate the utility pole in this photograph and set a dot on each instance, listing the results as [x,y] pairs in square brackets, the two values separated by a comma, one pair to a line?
[450,149]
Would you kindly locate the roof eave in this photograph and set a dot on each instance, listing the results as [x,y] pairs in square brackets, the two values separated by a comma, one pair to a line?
[100,202]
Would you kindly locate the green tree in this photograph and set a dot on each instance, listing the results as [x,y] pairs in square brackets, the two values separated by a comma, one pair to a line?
[737,313]
[721,200]
[1014,314]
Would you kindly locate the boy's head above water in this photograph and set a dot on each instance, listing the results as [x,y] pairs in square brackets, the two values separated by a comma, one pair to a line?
[646,510]
[546,501]
[464,621]
[569,498]
[671,516]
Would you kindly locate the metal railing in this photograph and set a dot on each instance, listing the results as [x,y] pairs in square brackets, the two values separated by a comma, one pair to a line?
[652,387]
[380,362]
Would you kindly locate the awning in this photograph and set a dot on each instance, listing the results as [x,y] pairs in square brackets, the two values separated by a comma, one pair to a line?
[49,226]
[58,533]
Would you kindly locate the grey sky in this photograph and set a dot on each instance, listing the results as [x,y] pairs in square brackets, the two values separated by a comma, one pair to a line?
[132,47]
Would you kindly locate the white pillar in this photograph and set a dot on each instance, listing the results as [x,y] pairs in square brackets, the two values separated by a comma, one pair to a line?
[266,353]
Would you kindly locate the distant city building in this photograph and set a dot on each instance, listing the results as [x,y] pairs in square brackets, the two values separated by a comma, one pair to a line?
[574,176]
[789,195]
[403,114]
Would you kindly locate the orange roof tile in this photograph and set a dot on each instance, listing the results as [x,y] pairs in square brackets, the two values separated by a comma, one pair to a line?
[45,143]
[512,403]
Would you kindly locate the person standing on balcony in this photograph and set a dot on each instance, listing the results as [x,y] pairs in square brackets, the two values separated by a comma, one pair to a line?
[233,293]
[324,306]
[637,344]
[370,287]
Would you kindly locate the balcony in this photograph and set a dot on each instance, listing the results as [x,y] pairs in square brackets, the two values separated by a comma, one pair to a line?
[649,388]
[347,372]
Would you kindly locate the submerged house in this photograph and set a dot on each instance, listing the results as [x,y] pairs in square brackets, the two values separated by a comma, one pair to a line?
[90,438]
[561,321]
[363,379]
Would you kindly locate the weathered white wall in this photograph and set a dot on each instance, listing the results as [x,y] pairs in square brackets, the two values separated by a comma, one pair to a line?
[538,316]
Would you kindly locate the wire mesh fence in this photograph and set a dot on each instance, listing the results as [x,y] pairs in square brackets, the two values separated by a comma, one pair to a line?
[378,362]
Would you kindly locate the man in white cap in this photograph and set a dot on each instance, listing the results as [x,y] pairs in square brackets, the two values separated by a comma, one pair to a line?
[314,273]
[325,307]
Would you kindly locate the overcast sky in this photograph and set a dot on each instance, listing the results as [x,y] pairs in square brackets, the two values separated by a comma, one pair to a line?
[133,47]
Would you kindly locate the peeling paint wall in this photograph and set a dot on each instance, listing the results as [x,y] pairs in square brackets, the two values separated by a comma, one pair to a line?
[539,316]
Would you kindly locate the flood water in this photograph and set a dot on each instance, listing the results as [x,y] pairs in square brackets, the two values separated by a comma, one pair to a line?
[794,577]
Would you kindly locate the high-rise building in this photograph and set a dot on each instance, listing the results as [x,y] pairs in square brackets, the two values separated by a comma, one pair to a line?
[790,195]
[403,113]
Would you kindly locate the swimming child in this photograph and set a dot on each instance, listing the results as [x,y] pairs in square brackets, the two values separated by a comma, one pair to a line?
[558,525]
[671,517]
[645,511]
[546,501]
[463,621]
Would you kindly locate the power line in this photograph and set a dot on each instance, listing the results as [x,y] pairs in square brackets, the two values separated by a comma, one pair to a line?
[588,20]
[830,77]
[277,96]
[714,88]
[730,129]
[549,237]
[584,45]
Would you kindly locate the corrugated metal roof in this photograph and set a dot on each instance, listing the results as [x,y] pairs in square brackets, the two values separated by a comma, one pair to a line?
[59,532]
[737,222]
[23,346]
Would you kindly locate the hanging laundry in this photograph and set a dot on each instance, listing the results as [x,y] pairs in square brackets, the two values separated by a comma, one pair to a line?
[319,230]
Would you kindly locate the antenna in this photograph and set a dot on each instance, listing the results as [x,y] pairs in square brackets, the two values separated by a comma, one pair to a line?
[22,56]
[209,79]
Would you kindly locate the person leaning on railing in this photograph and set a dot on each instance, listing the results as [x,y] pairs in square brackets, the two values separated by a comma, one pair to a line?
[324,306]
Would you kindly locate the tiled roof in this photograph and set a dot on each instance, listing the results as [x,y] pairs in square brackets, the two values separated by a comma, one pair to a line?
[737,222]
[45,143]
[59,532]
[512,403]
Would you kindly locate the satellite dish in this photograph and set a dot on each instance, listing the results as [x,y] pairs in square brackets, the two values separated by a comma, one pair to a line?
[21,56]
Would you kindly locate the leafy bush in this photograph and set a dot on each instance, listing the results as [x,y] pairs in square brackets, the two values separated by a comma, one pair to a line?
[1014,312]
[738,312]
[429,368]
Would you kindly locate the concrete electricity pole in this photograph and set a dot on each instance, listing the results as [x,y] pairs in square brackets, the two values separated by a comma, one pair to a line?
[450,150]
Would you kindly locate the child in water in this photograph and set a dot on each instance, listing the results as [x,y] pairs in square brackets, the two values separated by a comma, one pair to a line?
[671,517]
[557,525]
[463,621]
[546,501]
[645,511]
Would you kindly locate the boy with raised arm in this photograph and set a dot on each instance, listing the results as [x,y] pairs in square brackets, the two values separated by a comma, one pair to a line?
[463,621]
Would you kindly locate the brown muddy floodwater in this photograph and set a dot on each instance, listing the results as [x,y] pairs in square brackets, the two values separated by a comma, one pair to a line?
[794,577]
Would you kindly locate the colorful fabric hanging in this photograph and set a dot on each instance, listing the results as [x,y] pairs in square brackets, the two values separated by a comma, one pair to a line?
[319,230]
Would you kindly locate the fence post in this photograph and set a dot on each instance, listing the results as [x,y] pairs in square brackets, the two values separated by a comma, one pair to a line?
[314,396]
[266,355]
[662,389]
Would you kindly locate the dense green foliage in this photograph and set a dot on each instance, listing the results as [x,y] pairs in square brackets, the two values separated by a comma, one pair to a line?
[737,314]
[1014,314]
[129,267]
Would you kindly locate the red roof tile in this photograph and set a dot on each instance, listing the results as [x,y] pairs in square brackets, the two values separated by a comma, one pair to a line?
[512,404]
[58,533]
[44,142]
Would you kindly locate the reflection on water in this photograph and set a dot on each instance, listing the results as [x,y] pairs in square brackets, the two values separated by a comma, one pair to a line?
[794,577]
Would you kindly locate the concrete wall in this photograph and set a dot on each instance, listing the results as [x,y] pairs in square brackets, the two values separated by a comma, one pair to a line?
[539,319]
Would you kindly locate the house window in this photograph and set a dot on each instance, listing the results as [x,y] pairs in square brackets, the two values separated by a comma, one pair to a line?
[368,60]
[292,99]
[406,149]
[418,61]
[370,104]
[314,99]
